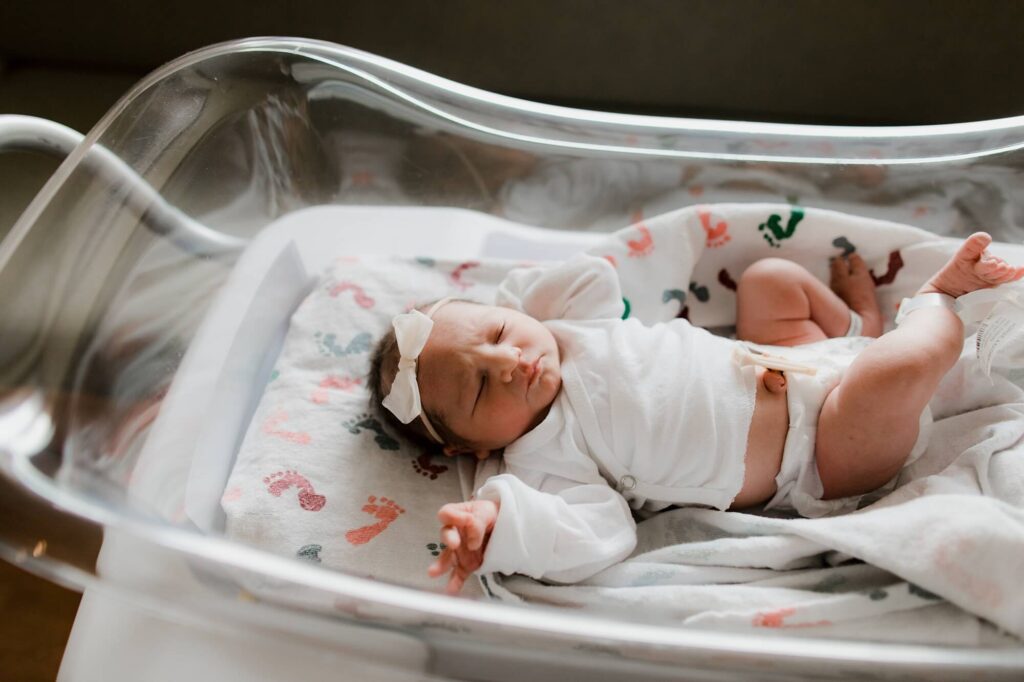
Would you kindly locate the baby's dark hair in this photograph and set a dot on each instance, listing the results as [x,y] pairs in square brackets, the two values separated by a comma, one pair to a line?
[383,368]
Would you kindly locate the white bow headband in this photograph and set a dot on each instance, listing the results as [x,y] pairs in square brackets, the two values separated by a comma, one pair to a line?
[412,329]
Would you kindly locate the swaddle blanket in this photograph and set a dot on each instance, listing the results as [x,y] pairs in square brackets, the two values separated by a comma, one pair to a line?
[320,478]
[945,547]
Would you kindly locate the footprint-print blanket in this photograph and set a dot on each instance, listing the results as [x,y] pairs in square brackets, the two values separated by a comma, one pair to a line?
[320,478]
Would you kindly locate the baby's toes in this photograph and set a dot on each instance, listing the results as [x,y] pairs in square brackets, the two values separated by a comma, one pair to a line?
[840,270]
[975,245]
[993,269]
[857,265]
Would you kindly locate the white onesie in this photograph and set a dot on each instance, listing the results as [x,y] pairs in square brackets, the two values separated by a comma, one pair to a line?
[648,417]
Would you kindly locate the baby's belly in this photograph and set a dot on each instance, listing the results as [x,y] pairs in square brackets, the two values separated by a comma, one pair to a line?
[765,443]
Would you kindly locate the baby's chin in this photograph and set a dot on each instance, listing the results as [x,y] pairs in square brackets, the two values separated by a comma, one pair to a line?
[550,387]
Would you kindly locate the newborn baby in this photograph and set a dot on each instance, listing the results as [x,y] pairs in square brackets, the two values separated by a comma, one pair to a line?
[598,415]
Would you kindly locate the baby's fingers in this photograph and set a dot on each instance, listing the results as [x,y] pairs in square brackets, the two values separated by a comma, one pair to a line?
[455,583]
[475,535]
[454,515]
[450,537]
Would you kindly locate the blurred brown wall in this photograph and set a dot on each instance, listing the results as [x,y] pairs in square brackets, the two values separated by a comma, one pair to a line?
[861,61]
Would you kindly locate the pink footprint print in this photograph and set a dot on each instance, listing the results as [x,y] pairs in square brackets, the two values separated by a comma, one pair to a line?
[270,427]
[281,481]
[387,511]
[457,273]
[341,383]
[642,246]
[357,292]
[645,244]
[777,619]
[717,234]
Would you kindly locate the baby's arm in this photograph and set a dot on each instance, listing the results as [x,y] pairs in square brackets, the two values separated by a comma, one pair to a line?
[466,529]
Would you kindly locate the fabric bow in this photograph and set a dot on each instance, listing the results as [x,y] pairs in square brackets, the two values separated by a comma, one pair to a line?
[412,330]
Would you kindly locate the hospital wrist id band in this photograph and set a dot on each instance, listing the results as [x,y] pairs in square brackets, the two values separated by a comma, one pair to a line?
[856,324]
[932,300]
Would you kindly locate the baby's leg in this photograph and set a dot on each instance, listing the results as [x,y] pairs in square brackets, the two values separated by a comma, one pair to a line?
[780,303]
[869,422]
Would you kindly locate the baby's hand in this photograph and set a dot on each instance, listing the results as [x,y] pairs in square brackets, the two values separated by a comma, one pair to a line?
[466,529]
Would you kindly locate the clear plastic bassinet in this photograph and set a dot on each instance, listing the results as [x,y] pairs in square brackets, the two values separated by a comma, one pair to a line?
[110,273]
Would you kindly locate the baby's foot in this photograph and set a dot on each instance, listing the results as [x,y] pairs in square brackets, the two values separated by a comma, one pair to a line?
[852,282]
[972,268]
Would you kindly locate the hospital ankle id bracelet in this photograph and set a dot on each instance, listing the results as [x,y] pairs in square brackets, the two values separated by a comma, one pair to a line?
[932,300]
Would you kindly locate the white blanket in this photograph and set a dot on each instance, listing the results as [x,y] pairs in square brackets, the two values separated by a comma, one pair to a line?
[946,547]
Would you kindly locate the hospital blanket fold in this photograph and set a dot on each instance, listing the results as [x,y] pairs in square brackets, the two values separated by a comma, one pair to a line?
[943,549]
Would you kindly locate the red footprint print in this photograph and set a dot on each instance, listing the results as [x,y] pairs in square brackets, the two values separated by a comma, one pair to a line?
[423,466]
[341,383]
[270,427]
[456,275]
[895,265]
[357,291]
[726,280]
[717,234]
[645,244]
[281,481]
[387,511]
[642,246]
[777,619]
[772,619]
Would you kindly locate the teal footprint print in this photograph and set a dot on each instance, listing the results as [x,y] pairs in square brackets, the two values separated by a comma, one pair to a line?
[674,294]
[773,231]
[844,244]
[310,553]
[366,422]
[700,291]
[328,346]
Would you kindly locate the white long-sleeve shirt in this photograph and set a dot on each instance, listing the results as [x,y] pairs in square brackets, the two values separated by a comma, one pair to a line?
[648,417]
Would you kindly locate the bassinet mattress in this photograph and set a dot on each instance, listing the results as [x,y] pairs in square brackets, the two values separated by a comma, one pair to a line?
[235,361]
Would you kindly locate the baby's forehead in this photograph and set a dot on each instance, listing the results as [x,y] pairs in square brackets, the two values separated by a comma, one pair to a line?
[466,315]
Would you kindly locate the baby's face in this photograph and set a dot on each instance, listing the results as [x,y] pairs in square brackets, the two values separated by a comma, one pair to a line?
[490,372]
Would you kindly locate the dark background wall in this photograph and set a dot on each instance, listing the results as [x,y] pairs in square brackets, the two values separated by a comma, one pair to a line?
[862,61]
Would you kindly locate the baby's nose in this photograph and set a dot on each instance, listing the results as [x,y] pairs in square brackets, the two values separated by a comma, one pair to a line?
[507,359]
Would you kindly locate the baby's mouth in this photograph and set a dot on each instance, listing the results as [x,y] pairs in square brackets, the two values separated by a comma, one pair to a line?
[534,373]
